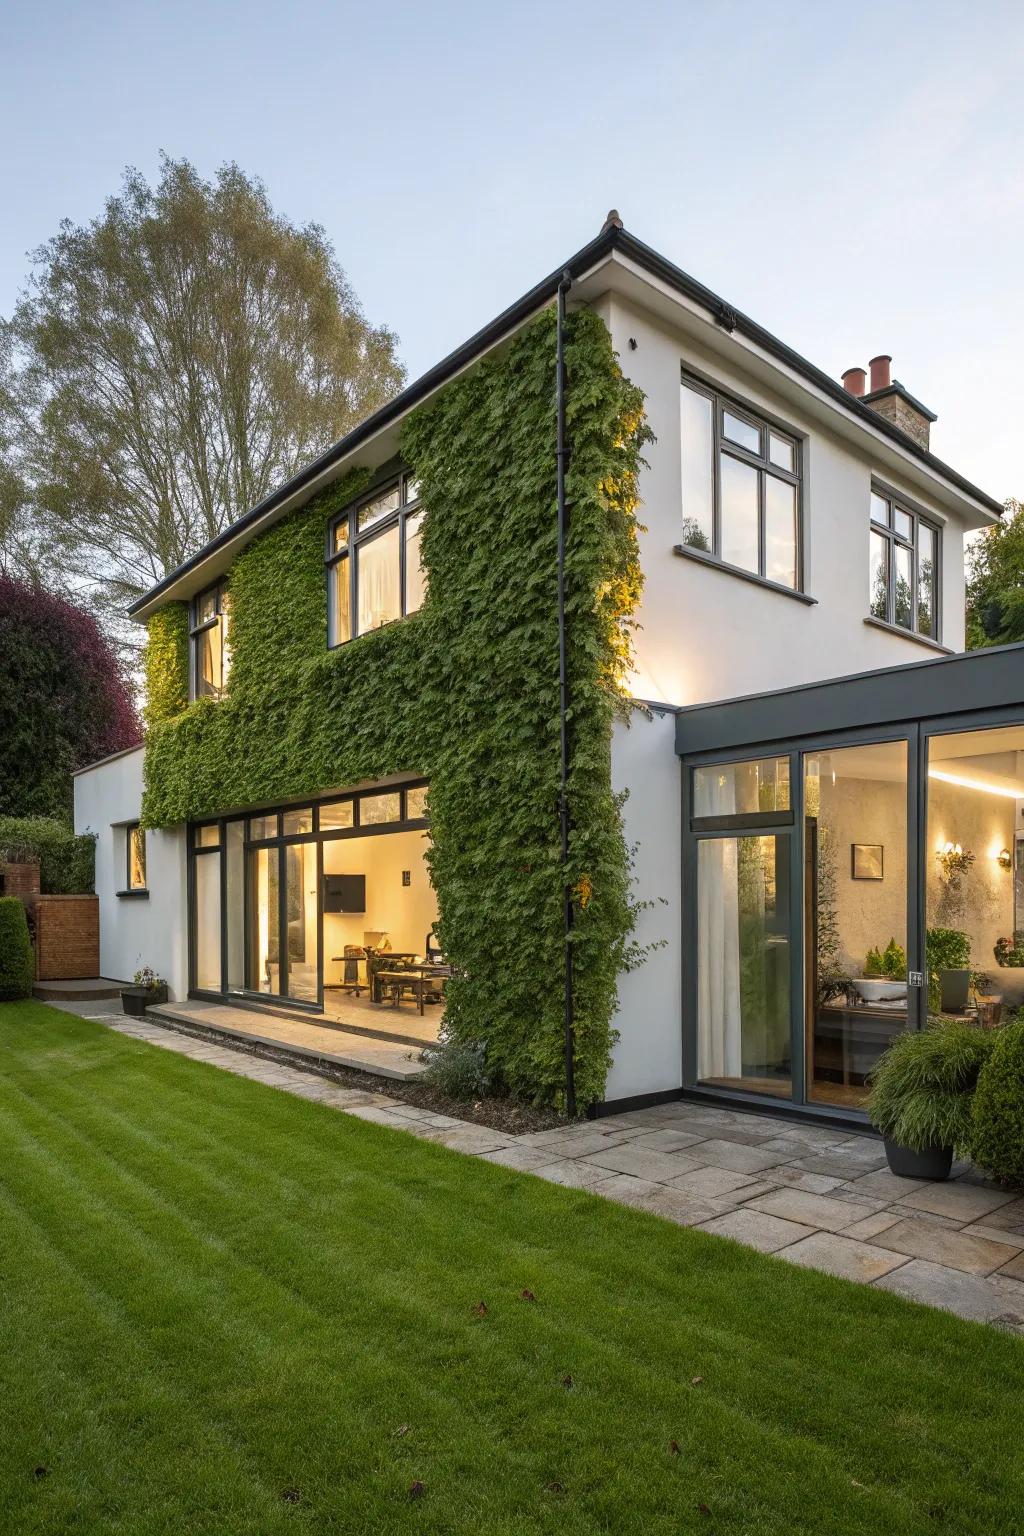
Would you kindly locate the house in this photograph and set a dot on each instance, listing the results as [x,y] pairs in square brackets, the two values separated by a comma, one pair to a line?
[796,809]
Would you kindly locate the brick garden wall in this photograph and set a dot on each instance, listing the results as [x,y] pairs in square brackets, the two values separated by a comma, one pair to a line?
[67,937]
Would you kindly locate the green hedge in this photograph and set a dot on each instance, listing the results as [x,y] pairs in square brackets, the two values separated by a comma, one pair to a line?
[464,692]
[17,962]
[998,1141]
[67,864]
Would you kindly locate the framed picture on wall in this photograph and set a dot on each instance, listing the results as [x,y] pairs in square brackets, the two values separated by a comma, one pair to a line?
[867,861]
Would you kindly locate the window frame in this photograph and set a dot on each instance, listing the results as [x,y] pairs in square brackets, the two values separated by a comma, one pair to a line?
[198,627]
[129,884]
[409,506]
[887,531]
[766,426]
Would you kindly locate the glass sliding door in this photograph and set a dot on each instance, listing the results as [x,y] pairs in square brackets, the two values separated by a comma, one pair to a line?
[855,914]
[743,963]
[301,913]
[264,921]
[974,873]
[206,889]
[234,881]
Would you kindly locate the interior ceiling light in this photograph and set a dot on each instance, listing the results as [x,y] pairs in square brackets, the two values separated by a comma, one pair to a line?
[966,783]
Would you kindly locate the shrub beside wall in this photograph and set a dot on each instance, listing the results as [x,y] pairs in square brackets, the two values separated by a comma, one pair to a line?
[17,963]
[464,692]
[998,1142]
[67,864]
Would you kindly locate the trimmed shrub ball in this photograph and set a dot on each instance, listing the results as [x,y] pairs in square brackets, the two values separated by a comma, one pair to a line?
[998,1141]
[17,962]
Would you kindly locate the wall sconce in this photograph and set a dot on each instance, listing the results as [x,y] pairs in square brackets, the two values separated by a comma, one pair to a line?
[1004,858]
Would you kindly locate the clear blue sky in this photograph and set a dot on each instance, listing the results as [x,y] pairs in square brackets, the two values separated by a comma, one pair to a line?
[853,177]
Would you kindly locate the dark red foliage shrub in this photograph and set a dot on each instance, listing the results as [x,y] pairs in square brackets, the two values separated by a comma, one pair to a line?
[64,699]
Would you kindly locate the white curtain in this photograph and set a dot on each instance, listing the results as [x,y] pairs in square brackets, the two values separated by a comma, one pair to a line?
[719,1022]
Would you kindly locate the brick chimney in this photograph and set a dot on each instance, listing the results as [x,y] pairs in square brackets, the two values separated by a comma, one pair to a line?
[888,397]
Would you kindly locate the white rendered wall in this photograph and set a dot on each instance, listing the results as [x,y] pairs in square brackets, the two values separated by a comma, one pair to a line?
[648,1056]
[134,932]
[705,634]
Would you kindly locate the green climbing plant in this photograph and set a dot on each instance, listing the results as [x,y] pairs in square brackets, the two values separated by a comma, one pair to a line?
[464,691]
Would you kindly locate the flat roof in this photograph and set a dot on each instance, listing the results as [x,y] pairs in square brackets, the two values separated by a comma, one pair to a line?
[613,239]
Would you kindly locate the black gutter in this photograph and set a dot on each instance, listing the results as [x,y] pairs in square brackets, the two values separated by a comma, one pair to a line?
[610,239]
[561,457]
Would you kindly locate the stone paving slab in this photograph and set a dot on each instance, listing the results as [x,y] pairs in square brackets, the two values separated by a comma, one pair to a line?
[842,1255]
[817,1197]
[957,1250]
[757,1229]
[811,1210]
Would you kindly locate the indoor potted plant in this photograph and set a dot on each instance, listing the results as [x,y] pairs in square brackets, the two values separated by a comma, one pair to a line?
[147,988]
[948,961]
[922,1089]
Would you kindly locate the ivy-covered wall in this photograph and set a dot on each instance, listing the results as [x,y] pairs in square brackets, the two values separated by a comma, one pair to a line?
[464,692]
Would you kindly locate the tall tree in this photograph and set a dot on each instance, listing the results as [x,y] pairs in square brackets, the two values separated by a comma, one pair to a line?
[64,699]
[168,365]
[995,584]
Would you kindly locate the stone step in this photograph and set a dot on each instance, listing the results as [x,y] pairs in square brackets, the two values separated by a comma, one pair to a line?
[310,1041]
[80,989]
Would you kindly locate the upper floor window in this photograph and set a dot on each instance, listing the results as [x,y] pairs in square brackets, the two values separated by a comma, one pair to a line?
[374,573]
[211,643]
[741,487]
[904,577]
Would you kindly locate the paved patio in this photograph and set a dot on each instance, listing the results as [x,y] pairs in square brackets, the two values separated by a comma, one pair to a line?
[818,1197]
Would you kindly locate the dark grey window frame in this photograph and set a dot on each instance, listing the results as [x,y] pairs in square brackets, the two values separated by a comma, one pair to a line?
[199,627]
[281,840]
[408,507]
[134,892]
[765,424]
[893,541]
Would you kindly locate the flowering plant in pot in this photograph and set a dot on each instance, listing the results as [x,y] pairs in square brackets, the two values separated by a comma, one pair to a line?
[147,988]
[922,1089]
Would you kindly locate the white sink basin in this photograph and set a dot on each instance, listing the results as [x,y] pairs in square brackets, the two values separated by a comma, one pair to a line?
[878,989]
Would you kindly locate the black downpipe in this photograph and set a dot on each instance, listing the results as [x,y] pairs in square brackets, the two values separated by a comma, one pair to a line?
[563,701]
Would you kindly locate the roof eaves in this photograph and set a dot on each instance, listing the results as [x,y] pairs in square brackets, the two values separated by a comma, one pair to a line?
[611,238]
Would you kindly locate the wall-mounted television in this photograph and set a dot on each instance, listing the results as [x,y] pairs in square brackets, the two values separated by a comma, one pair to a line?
[344,893]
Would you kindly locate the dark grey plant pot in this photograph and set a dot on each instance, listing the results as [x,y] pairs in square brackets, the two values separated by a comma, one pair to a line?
[932,1163]
[135,1000]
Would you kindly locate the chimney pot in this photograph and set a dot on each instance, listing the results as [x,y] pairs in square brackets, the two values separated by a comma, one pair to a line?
[881,376]
[854,380]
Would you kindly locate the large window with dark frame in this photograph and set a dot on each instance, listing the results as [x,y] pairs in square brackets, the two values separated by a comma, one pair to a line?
[374,575]
[904,570]
[210,641]
[740,487]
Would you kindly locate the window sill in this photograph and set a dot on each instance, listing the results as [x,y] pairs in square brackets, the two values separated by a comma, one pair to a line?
[136,895]
[736,570]
[908,634]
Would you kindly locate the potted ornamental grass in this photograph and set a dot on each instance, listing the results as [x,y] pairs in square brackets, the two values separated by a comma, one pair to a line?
[922,1091]
[148,988]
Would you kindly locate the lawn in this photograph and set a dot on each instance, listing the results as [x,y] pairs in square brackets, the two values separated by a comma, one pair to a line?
[227,1310]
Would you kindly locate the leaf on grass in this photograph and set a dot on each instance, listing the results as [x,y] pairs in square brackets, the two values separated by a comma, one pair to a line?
[673,1446]
[417,1489]
[403,1429]
[555,1487]
[695,1381]
[567,1382]
[480,1309]
[703,1509]
[527,1295]
[291,1495]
